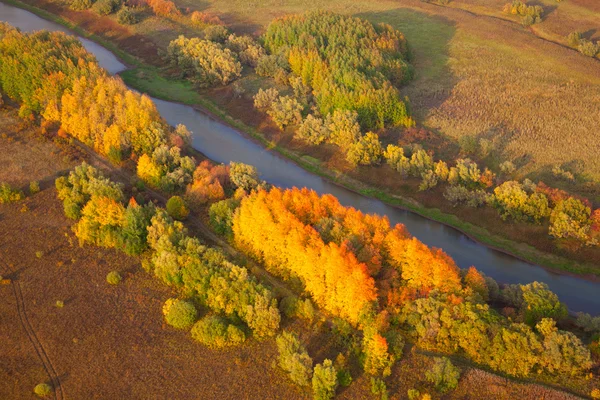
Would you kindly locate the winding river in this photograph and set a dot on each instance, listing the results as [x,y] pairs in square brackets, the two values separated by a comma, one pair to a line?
[224,144]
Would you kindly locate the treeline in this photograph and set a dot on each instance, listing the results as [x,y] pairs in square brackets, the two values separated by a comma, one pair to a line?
[205,274]
[361,269]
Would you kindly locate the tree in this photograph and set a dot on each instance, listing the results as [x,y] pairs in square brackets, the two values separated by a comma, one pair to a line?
[216,333]
[179,314]
[324,381]
[443,374]
[377,360]
[294,359]
[264,99]
[285,111]
[570,218]
[343,127]
[396,159]
[177,208]
[244,176]
[312,130]
[513,201]
[539,302]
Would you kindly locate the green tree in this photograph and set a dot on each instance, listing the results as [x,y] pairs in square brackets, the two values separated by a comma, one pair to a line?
[324,381]
[367,151]
[294,359]
[443,374]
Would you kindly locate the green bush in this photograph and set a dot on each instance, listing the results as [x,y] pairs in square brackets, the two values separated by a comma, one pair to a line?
[324,381]
[221,216]
[574,39]
[244,176]
[126,16]
[443,375]
[34,187]
[10,195]
[215,332]
[114,278]
[179,314]
[43,390]
[216,33]
[177,208]
[366,151]
[294,359]
[379,388]
[106,7]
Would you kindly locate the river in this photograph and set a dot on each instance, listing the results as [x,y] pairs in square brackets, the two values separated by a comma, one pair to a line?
[224,144]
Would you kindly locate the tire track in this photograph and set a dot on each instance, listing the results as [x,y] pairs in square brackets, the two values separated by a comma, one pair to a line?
[39,348]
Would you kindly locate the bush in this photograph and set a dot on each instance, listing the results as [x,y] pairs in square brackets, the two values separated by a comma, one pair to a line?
[42,390]
[264,99]
[294,359]
[34,187]
[461,195]
[443,375]
[324,381]
[588,48]
[292,306]
[106,7]
[166,169]
[574,39]
[511,200]
[216,33]
[216,333]
[367,151]
[244,176]
[286,111]
[587,322]
[204,62]
[126,16]
[468,144]
[179,314]
[79,5]
[272,65]
[114,278]
[507,168]
[10,195]
[540,302]
[570,218]
[177,208]
[379,388]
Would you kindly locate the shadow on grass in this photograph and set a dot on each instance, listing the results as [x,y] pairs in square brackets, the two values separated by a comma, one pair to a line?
[429,38]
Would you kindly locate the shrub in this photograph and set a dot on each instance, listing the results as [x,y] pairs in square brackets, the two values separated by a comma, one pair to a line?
[177,208]
[221,216]
[465,173]
[205,18]
[126,16]
[10,195]
[312,130]
[166,169]
[367,151]
[291,307]
[587,322]
[468,144]
[485,147]
[294,359]
[106,7]
[179,314]
[272,65]
[264,99]
[574,39]
[530,14]
[43,390]
[379,387]
[443,375]
[34,187]
[216,333]
[59,304]
[560,173]
[204,62]
[324,381]
[461,195]
[216,33]
[588,48]
[420,163]
[540,302]
[244,176]
[114,278]
[286,111]
[79,5]
[507,168]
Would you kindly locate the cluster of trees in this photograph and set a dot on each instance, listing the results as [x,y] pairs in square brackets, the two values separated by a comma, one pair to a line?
[514,348]
[53,76]
[9,194]
[204,62]
[346,62]
[529,14]
[168,252]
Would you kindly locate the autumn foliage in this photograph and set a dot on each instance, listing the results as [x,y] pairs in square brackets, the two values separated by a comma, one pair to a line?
[336,251]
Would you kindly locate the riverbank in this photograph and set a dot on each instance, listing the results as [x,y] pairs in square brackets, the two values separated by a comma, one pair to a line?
[148,78]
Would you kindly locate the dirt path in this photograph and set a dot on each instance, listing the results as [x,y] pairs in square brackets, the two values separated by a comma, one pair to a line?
[39,348]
